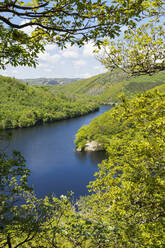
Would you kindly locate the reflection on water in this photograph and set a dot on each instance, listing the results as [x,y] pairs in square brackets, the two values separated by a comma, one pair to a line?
[95,157]
[50,154]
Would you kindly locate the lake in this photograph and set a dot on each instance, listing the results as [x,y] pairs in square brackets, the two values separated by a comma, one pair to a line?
[50,155]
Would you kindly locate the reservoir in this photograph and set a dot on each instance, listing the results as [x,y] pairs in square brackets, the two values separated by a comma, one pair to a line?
[50,155]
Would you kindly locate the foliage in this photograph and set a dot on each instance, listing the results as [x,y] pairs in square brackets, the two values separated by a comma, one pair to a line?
[17,48]
[61,22]
[11,185]
[26,221]
[128,192]
[23,106]
[126,208]
[106,125]
[140,51]
[15,193]
[131,86]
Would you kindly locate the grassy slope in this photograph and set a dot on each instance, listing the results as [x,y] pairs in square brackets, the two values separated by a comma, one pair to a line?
[22,105]
[109,85]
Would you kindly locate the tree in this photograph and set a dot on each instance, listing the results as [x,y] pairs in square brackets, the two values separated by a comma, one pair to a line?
[14,190]
[129,187]
[62,22]
[24,219]
[141,51]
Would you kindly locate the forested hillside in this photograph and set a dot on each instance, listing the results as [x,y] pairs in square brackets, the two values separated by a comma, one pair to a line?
[23,106]
[106,87]
[104,127]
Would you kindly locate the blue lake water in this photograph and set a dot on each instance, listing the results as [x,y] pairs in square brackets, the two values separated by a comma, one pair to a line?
[50,155]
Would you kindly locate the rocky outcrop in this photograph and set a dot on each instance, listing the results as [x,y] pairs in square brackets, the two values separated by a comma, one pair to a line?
[79,149]
[92,146]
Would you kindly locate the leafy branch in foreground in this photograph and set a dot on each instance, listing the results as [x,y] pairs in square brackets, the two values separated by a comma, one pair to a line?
[62,22]
[24,219]
[142,51]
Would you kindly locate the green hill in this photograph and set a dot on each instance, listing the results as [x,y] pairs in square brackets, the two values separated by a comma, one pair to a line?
[23,106]
[106,87]
[104,127]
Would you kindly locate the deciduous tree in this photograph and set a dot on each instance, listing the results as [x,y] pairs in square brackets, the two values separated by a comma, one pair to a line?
[62,22]
[140,51]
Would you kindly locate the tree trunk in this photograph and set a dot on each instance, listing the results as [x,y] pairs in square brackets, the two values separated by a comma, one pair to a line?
[9,242]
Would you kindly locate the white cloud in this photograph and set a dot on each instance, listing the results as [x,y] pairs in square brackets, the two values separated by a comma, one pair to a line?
[47,58]
[79,63]
[50,47]
[85,75]
[48,69]
[70,52]
[99,69]
[41,65]
[29,29]
[88,49]
[4,73]
[15,71]
[70,62]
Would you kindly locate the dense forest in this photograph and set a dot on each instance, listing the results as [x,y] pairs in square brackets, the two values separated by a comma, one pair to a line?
[23,106]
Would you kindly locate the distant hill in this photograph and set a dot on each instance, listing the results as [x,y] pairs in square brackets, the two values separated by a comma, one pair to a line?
[107,86]
[49,81]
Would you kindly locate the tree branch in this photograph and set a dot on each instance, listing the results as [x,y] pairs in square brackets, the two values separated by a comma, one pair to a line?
[26,240]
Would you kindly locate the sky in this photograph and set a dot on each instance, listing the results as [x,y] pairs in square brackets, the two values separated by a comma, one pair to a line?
[72,62]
